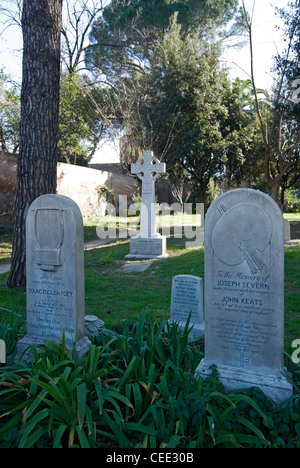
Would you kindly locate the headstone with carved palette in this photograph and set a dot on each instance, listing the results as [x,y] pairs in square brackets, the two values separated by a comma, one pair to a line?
[244,293]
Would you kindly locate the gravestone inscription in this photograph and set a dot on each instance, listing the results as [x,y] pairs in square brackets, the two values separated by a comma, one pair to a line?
[187,300]
[55,290]
[244,292]
[148,243]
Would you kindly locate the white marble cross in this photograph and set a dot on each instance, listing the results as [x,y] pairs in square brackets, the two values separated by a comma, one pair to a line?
[148,168]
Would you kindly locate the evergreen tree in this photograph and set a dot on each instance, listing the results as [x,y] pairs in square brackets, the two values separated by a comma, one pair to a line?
[190,114]
[125,36]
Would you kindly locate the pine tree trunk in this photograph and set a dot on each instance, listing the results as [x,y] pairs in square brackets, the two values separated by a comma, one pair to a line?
[41,26]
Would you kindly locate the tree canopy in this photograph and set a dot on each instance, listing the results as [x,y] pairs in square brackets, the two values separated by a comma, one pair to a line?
[123,38]
[189,113]
[278,116]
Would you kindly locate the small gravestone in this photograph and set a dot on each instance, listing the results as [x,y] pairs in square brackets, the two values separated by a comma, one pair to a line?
[244,293]
[187,301]
[148,243]
[55,275]
[287,231]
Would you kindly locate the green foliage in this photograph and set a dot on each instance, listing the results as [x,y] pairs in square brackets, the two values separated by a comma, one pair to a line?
[136,388]
[10,331]
[291,30]
[278,116]
[9,113]
[81,122]
[213,193]
[190,114]
[292,201]
[105,193]
[123,38]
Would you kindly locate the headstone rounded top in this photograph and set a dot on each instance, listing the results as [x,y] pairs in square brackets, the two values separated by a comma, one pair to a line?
[244,195]
[57,200]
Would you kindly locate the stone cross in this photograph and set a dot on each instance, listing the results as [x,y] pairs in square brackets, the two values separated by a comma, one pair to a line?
[148,168]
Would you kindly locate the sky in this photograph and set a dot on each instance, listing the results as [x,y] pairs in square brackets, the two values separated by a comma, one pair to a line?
[266,38]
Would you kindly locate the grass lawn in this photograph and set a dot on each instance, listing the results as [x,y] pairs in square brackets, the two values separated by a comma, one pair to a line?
[114,295]
[5,244]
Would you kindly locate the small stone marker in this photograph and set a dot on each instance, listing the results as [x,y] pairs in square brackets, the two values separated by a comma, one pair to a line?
[187,299]
[287,231]
[244,293]
[287,234]
[93,325]
[55,274]
[148,243]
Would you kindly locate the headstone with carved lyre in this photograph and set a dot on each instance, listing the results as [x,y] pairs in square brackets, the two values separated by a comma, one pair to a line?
[148,243]
[55,298]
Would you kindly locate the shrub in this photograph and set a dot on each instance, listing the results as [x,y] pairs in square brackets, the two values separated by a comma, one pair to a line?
[292,201]
[136,388]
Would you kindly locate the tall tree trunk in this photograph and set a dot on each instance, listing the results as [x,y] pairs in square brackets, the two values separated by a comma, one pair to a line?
[2,139]
[202,191]
[41,26]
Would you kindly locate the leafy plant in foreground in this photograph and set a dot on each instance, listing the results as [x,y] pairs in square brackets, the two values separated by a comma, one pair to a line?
[136,388]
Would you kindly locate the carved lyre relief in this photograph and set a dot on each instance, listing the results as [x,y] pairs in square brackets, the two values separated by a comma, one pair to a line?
[49,233]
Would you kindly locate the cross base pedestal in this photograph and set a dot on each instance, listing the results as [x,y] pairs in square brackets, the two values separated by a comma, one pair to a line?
[146,248]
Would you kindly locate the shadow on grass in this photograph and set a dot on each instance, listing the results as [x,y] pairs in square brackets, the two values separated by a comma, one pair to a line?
[114,295]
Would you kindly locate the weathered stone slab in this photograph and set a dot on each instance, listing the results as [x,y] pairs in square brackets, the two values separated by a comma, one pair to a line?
[135,267]
[187,300]
[55,274]
[244,292]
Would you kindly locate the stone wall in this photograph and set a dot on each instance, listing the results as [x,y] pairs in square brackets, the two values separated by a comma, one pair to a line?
[80,184]
[76,182]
